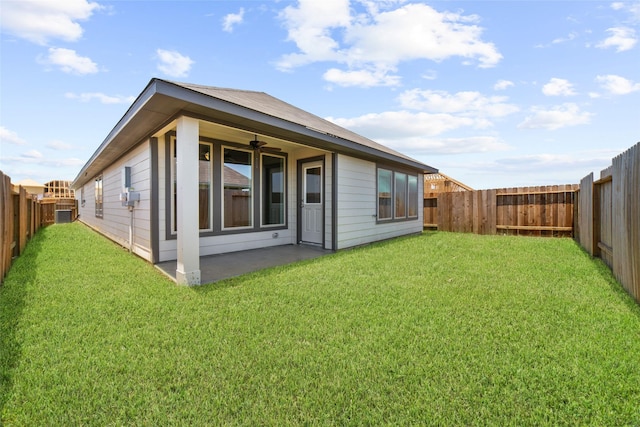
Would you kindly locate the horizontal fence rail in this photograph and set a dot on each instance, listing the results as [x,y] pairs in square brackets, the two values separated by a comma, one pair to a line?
[531,211]
[21,216]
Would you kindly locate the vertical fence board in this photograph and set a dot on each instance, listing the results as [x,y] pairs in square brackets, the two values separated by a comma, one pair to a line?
[585,213]
[609,218]
[625,200]
[22,219]
[6,225]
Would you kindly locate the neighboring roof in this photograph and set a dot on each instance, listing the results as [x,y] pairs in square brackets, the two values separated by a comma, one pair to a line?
[29,183]
[443,184]
[162,101]
[234,178]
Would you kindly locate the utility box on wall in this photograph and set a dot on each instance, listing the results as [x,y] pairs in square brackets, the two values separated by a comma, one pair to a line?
[129,198]
[126,178]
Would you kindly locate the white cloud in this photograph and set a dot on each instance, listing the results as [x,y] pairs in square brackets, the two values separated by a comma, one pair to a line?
[417,31]
[34,157]
[426,115]
[173,63]
[418,146]
[503,84]
[362,78]
[633,8]
[232,19]
[617,85]
[621,38]
[471,104]
[617,5]
[380,40]
[569,37]
[69,61]
[41,20]
[430,75]
[558,87]
[403,124]
[59,145]
[309,26]
[564,115]
[101,97]
[554,163]
[32,154]
[10,137]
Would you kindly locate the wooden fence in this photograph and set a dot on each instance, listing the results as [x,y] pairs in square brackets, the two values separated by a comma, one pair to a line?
[21,217]
[530,211]
[608,224]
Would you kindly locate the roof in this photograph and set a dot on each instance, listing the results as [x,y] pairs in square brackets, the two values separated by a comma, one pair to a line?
[441,183]
[256,112]
[29,183]
[234,178]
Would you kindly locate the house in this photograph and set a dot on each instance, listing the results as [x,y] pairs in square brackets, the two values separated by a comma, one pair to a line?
[34,188]
[194,170]
[59,189]
[440,183]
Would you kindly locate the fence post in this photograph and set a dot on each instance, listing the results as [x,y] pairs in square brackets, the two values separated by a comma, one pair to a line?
[6,224]
[596,220]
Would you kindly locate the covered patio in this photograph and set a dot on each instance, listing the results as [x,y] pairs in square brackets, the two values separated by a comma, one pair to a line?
[214,268]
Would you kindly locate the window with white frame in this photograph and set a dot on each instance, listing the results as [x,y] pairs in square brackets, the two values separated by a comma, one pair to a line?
[98,197]
[237,188]
[273,185]
[240,189]
[384,194]
[205,174]
[398,197]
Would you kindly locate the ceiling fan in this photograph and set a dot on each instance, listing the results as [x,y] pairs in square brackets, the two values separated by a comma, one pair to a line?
[261,146]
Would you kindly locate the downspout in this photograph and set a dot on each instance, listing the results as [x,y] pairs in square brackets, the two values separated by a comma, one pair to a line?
[131,230]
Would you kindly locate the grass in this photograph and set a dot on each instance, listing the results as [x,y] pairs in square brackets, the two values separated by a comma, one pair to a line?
[439,329]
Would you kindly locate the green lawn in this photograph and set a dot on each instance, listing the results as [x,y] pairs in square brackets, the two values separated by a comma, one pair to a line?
[438,329]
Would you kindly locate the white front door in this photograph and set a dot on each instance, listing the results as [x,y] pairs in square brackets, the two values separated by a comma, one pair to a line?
[312,203]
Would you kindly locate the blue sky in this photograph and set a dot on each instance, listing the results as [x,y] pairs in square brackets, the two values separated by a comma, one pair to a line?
[492,93]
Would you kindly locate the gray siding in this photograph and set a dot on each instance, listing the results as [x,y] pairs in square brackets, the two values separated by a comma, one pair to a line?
[116,219]
[357,202]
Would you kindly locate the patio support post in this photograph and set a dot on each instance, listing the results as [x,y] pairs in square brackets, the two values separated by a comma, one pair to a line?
[188,266]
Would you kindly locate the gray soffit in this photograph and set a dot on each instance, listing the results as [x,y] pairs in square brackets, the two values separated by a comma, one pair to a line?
[257,112]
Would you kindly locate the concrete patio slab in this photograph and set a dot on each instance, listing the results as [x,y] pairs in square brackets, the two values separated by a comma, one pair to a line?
[218,267]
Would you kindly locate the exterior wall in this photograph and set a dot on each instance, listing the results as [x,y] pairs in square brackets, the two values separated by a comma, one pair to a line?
[357,206]
[212,245]
[116,220]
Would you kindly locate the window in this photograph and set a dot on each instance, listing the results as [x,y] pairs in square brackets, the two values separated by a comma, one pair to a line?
[239,189]
[205,173]
[238,179]
[384,194]
[313,185]
[273,197]
[98,196]
[397,195]
[413,196]
[400,190]
[204,187]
